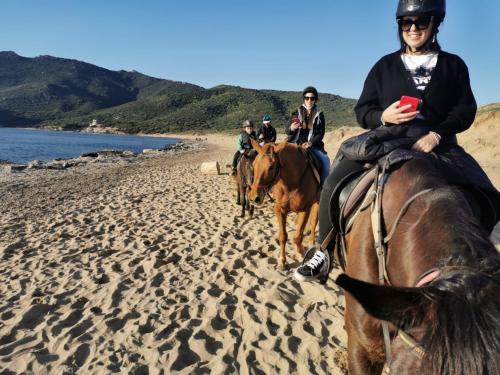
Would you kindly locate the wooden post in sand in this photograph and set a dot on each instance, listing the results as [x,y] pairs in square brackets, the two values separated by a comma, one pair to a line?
[210,168]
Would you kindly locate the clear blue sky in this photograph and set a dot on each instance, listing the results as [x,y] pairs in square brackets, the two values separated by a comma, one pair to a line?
[275,44]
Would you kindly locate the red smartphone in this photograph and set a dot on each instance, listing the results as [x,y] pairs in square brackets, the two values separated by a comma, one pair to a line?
[414,102]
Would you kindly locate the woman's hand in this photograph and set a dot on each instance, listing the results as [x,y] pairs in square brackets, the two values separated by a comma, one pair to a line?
[295,125]
[394,114]
[427,143]
[306,145]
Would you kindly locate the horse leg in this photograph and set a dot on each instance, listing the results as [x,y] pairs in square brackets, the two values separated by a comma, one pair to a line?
[299,231]
[313,222]
[238,188]
[250,205]
[243,200]
[282,237]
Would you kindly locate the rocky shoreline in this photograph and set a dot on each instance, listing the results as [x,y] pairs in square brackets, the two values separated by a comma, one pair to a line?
[103,156]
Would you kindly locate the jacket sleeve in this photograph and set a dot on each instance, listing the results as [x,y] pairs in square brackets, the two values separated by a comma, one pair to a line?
[462,114]
[368,109]
[260,131]
[273,138]
[239,142]
[319,132]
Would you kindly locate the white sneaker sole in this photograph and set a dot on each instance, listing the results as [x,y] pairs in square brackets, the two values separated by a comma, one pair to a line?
[301,278]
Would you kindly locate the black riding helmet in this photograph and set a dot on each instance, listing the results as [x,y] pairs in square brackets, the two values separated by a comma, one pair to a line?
[436,8]
[311,90]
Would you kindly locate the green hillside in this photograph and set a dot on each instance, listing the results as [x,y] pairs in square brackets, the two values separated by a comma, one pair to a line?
[44,88]
[49,91]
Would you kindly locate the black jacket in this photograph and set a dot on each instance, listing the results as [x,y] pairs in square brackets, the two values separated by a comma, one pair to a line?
[448,106]
[268,132]
[301,135]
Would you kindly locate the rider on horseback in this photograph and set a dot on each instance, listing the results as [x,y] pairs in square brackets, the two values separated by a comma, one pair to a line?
[447,107]
[243,143]
[266,133]
[307,129]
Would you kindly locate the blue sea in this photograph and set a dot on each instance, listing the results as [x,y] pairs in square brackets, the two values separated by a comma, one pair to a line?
[24,145]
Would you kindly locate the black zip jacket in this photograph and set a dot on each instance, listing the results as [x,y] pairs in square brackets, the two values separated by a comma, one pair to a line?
[448,104]
[301,135]
[268,132]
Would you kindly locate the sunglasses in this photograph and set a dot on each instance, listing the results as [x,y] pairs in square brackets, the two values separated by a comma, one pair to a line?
[309,98]
[421,23]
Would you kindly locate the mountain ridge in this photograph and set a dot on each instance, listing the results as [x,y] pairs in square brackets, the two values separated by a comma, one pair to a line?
[67,93]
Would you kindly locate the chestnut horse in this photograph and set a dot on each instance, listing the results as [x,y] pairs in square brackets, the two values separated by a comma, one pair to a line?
[443,305]
[283,169]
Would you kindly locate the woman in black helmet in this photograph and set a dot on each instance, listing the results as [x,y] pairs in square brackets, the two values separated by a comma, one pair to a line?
[439,82]
[307,128]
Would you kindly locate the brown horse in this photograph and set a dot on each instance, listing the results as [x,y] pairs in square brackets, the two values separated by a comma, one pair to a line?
[243,179]
[283,169]
[443,305]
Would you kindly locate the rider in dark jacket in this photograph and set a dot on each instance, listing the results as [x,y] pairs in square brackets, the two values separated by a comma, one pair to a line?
[266,133]
[307,128]
[420,69]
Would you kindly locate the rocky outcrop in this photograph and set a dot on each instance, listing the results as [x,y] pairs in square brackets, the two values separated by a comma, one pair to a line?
[103,156]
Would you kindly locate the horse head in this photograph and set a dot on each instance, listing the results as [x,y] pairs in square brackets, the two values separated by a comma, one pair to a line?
[444,327]
[266,169]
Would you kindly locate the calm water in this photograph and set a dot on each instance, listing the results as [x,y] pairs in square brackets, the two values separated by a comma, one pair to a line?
[24,145]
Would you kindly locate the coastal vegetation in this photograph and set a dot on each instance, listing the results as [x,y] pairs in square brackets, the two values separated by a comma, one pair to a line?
[47,91]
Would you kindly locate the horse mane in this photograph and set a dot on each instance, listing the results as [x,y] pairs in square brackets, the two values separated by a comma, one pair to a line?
[464,337]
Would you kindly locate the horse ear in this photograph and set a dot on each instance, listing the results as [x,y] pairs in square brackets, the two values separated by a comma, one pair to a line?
[256,146]
[403,307]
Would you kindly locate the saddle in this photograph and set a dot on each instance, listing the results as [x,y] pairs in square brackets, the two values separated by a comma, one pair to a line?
[314,162]
[348,195]
[345,203]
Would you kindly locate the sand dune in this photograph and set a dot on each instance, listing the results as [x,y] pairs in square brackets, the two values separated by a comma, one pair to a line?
[148,269]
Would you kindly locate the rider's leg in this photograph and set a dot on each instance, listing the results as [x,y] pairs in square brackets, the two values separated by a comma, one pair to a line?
[317,265]
[236,158]
[325,163]
[341,168]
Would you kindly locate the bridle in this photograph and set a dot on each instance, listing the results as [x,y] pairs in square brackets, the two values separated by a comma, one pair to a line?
[381,249]
[277,172]
[277,175]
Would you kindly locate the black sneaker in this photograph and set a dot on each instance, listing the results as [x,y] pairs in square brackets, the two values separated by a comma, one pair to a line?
[313,269]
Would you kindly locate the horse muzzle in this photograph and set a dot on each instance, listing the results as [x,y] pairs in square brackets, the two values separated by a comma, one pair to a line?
[257,196]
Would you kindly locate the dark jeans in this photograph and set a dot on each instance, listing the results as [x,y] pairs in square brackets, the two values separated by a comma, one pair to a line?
[341,167]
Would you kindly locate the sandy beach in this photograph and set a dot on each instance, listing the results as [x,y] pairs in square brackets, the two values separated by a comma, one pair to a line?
[147,268]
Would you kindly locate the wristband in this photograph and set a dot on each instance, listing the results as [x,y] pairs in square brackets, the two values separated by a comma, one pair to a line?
[382,121]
